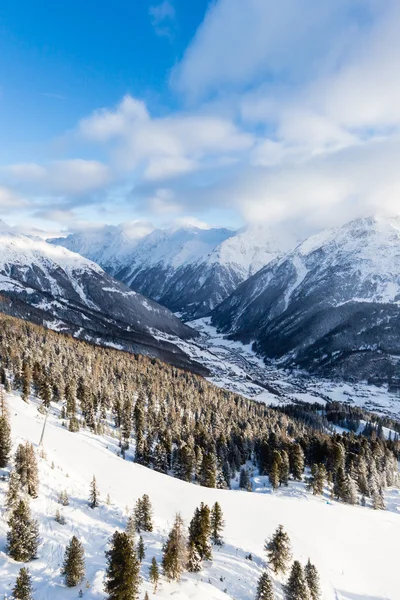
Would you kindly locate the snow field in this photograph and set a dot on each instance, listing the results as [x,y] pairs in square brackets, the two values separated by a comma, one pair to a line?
[355,549]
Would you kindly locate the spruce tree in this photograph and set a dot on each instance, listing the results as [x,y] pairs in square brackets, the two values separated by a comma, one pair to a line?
[146,514]
[73,569]
[265,590]
[131,526]
[141,553]
[27,469]
[273,474]
[244,480]
[297,588]
[5,439]
[312,579]
[316,482]
[340,484]
[94,494]
[154,574]
[194,563]
[23,534]
[14,485]
[123,569]
[297,462]
[23,586]
[279,551]
[284,468]
[174,551]
[217,525]
[208,472]
[200,532]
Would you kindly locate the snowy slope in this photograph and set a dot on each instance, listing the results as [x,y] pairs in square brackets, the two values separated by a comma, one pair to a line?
[331,305]
[355,549]
[189,270]
[50,285]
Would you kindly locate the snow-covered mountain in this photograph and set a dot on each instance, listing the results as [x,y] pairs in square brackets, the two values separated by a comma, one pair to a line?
[189,270]
[331,305]
[50,285]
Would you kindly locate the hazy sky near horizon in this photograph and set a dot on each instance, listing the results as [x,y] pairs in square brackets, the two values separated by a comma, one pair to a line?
[211,113]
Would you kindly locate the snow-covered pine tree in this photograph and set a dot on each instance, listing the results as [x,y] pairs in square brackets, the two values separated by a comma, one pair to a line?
[265,590]
[312,579]
[146,514]
[23,585]
[131,526]
[297,462]
[14,485]
[94,494]
[296,587]
[340,484]
[200,531]
[279,551]
[5,432]
[154,574]
[274,470]
[73,569]
[23,533]
[140,551]
[284,468]
[194,563]
[217,524]
[175,551]
[244,480]
[208,471]
[123,569]
[351,492]
[27,469]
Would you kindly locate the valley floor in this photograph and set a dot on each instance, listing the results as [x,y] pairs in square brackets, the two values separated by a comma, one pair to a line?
[355,549]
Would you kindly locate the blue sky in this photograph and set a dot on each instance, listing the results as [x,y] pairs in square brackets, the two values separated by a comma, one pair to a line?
[215,113]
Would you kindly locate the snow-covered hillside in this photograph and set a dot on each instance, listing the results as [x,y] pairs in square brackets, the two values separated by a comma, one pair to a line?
[189,270]
[51,285]
[331,305]
[355,549]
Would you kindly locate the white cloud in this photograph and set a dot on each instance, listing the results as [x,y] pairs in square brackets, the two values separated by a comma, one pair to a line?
[64,177]
[162,147]
[9,199]
[163,18]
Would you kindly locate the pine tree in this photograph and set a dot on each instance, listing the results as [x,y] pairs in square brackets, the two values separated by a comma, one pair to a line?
[351,493]
[94,494]
[340,485]
[23,586]
[23,534]
[146,596]
[265,590]
[141,553]
[59,518]
[123,570]
[146,514]
[131,526]
[174,551]
[274,471]
[14,485]
[284,468]
[154,574]
[312,579]
[73,569]
[208,472]
[316,482]
[200,531]
[63,498]
[217,525]
[297,588]
[27,469]
[297,461]
[194,564]
[5,434]
[279,551]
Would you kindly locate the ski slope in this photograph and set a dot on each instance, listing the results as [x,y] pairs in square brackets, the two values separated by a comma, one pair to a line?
[355,549]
